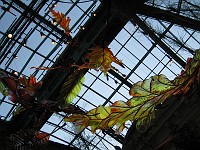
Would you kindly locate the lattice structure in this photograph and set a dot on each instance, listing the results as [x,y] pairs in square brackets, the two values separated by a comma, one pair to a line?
[150,37]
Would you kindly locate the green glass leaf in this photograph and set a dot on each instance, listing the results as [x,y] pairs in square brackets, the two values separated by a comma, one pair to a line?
[18,110]
[160,84]
[139,100]
[143,123]
[70,88]
[102,112]
[3,89]
[197,55]
[74,92]
[155,85]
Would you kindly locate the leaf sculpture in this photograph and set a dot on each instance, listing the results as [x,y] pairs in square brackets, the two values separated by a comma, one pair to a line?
[146,94]
[100,59]
[75,91]
[41,137]
[21,90]
[30,85]
[71,88]
[3,89]
[62,20]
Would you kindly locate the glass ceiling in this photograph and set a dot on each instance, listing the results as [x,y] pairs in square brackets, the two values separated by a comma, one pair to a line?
[142,57]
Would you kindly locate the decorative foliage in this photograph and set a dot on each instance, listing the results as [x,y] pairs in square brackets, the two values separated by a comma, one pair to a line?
[41,137]
[74,92]
[26,91]
[62,20]
[30,84]
[20,90]
[71,88]
[100,59]
[146,94]
[19,109]
[28,139]
[3,89]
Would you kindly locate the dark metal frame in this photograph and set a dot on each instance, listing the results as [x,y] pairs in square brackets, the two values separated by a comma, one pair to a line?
[119,14]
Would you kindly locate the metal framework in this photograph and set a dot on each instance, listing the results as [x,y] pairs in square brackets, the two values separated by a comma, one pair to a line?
[149,36]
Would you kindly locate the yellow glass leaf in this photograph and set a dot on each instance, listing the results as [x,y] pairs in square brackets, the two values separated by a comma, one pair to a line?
[137,90]
[120,128]
[103,112]
[134,101]
[158,88]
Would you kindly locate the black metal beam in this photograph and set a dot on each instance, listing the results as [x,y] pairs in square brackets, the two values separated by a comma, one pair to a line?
[131,7]
[124,81]
[93,34]
[17,28]
[34,14]
[157,40]
[169,17]
[124,8]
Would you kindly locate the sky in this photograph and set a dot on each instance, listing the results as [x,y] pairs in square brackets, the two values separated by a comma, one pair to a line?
[130,46]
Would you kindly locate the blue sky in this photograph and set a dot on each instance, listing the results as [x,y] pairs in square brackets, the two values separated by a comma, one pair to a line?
[130,46]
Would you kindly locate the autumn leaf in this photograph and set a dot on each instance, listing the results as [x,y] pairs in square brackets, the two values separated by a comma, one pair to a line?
[146,94]
[151,89]
[30,84]
[41,137]
[61,20]
[100,59]
[106,117]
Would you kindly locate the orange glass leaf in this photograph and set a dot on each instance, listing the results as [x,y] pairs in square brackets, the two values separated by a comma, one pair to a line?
[62,20]
[30,84]
[42,137]
[100,59]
